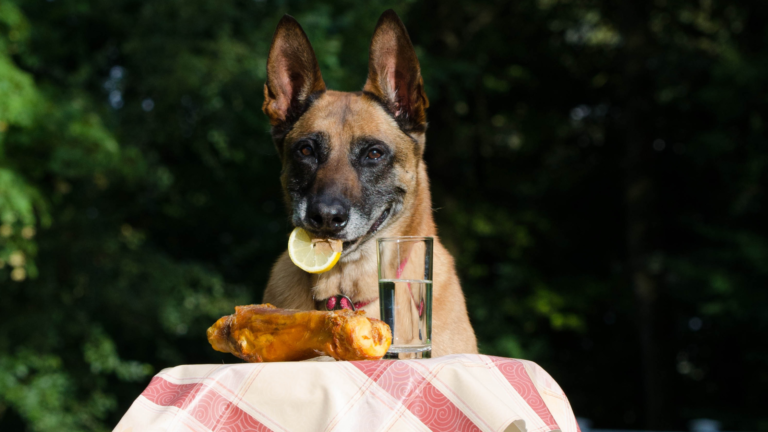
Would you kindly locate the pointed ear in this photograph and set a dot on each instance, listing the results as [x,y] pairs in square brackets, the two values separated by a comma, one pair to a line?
[394,75]
[293,75]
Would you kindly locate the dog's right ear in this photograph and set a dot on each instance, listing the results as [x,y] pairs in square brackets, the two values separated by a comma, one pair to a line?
[293,74]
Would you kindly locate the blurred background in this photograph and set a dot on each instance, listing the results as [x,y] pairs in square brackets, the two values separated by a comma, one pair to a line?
[599,170]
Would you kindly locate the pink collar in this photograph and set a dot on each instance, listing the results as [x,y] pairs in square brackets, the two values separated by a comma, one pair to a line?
[341,302]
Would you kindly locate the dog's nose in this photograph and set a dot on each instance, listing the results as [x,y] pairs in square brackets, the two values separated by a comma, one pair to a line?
[329,216]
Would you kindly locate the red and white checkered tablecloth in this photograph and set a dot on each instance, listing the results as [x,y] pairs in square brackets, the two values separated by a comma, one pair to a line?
[452,393]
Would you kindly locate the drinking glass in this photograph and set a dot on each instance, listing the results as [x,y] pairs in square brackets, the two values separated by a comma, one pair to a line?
[405,294]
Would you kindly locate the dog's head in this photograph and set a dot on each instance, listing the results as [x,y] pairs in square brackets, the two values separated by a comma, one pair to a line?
[349,159]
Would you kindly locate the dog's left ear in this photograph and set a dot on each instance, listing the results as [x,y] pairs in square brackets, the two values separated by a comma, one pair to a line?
[394,75]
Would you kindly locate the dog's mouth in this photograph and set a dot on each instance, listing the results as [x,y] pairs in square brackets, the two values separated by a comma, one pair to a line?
[371,231]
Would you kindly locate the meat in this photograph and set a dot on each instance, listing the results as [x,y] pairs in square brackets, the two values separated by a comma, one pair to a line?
[264,333]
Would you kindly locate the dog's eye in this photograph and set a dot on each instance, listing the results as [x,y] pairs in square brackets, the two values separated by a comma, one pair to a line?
[307,150]
[374,154]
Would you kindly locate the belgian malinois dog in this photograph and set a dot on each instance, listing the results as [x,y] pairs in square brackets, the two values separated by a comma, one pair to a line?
[353,171]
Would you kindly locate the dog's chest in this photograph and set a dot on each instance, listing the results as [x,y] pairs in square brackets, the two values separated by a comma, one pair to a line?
[357,279]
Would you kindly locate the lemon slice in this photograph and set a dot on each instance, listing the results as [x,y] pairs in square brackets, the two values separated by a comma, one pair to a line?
[313,255]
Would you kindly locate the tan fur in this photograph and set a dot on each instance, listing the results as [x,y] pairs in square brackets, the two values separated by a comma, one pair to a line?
[344,118]
[290,287]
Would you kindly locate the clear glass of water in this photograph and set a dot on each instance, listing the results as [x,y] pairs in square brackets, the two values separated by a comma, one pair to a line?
[405,294]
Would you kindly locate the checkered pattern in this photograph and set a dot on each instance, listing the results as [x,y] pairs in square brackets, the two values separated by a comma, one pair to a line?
[452,393]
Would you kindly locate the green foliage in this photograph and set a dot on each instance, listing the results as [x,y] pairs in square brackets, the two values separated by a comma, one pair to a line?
[140,196]
[40,390]
[101,354]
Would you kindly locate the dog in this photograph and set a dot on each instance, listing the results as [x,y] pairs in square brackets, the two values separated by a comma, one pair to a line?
[353,171]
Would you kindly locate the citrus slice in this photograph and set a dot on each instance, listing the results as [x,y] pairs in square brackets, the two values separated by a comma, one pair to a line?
[313,255]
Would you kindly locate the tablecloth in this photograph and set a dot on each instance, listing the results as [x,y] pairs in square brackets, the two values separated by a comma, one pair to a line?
[451,393]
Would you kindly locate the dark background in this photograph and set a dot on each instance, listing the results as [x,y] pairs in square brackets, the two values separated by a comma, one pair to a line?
[598,170]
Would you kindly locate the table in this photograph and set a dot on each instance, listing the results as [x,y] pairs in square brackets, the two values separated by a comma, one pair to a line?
[453,393]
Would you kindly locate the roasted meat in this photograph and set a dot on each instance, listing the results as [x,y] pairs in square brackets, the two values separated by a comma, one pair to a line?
[264,333]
